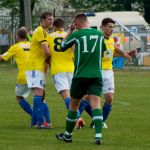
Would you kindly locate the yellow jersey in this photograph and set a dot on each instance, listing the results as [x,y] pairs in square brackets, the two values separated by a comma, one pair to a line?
[108,54]
[37,55]
[20,53]
[61,61]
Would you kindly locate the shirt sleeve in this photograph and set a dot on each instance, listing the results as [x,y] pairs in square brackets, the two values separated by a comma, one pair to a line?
[69,42]
[41,36]
[9,54]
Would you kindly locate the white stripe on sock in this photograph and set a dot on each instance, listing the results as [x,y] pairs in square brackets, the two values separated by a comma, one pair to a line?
[67,133]
[98,135]
[67,138]
[98,118]
[71,120]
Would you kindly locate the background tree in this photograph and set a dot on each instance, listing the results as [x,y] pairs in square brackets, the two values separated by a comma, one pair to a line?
[12,6]
[147,10]
[112,5]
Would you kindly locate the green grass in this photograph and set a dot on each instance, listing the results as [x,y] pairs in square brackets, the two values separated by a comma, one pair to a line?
[129,122]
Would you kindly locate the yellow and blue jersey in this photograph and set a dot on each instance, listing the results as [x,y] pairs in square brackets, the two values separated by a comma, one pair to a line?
[20,53]
[37,55]
[61,61]
[108,54]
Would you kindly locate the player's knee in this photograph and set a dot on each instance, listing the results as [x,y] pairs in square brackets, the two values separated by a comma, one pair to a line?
[18,98]
[109,98]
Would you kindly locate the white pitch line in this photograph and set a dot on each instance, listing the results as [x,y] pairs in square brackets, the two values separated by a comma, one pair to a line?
[122,103]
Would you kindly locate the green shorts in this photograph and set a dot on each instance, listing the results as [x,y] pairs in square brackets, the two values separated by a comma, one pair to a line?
[82,86]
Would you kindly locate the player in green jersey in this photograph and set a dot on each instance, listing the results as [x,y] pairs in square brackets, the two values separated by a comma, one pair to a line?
[87,78]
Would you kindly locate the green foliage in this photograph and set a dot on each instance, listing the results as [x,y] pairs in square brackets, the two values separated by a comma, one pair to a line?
[9,3]
[128,123]
[12,5]
[103,5]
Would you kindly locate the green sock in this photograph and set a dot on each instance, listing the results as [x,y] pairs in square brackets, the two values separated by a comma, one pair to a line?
[71,120]
[98,121]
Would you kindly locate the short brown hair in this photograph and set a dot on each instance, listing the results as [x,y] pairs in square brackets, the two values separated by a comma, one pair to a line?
[81,17]
[59,23]
[22,33]
[45,14]
[105,21]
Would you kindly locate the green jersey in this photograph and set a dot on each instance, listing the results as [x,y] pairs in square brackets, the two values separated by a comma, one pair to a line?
[89,45]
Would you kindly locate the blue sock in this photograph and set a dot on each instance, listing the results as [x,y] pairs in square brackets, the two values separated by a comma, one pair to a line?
[83,105]
[67,102]
[34,118]
[106,110]
[46,112]
[25,106]
[88,109]
[38,109]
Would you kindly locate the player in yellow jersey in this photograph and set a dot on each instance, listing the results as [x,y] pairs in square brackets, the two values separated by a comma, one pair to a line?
[107,27]
[62,65]
[39,52]
[19,52]
[61,62]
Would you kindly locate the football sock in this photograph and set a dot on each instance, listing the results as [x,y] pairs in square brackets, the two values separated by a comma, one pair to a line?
[83,105]
[88,109]
[98,121]
[25,106]
[71,120]
[34,119]
[38,109]
[106,110]
[46,112]
[67,102]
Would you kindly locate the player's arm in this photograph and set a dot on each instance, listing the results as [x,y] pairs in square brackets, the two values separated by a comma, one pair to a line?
[45,49]
[104,48]
[118,52]
[41,36]
[69,39]
[9,54]
[1,58]
[71,29]
[47,64]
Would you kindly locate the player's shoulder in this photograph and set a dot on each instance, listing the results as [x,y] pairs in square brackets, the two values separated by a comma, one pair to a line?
[39,29]
[95,31]
[14,46]
[24,45]
[57,34]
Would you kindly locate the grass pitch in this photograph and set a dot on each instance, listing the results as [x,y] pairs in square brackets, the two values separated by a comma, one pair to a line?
[129,122]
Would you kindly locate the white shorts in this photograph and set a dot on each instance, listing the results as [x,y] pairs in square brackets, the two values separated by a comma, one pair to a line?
[22,90]
[35,79]
[108,81]
[62,81]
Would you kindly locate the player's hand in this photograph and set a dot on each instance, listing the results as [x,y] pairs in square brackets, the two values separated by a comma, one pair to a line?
[126,55]
[73,26]
[47,60]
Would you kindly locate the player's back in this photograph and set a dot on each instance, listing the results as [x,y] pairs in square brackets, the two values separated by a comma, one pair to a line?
[37,56]
[20,53]
[88,49]
[61,61]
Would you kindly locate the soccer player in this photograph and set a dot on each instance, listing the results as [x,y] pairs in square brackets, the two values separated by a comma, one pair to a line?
[35,74]
[61,62]
[87,78]
[107,27]
[19,52]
